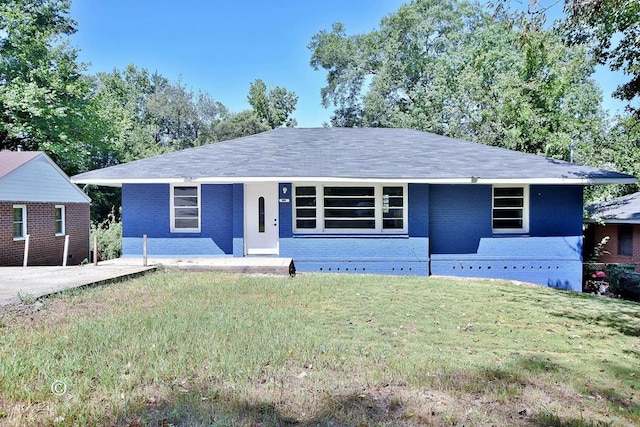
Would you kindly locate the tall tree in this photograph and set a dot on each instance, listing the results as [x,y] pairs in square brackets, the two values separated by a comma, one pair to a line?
[274,107]
[44,103]
[452,68]
[612,29]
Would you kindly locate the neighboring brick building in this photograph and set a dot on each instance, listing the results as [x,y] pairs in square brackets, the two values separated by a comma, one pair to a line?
[39,205]
[618,221]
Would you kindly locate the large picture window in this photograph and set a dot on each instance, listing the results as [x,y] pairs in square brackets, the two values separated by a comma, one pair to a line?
[510,213]
[19,222]
[350,209]
[185,208]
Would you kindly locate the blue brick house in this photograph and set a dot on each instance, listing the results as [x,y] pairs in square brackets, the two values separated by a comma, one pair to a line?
[391,201]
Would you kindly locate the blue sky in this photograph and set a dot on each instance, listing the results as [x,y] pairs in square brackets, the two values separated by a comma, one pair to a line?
[220,47]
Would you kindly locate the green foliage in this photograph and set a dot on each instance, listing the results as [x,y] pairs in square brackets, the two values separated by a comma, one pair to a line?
[44,102]
[275,107]
[611,28]
[109,233]
[452,68]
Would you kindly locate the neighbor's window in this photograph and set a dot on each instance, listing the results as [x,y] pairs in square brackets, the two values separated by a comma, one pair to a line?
[625,239]
[19,222]
[185,208]
[510,213]
[59,220]
[352,209]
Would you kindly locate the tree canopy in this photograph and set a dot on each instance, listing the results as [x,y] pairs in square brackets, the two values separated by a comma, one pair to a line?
[44,102]
[452,68]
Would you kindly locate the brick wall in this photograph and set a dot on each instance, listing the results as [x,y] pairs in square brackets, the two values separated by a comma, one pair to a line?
[611,230]
[45,248]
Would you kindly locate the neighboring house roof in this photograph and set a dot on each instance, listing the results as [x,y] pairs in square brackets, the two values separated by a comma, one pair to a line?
[31,176]
[350,154]
[12,160]
[621,210]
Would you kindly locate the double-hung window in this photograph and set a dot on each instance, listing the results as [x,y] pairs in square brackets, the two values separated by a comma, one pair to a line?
[185,208]
[357,209]
[59,220]
[510,213]
[19,222]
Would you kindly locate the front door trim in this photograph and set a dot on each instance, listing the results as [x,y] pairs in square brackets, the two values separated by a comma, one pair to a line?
[261,228]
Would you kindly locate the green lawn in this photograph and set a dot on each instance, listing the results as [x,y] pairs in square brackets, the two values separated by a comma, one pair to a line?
[175,348]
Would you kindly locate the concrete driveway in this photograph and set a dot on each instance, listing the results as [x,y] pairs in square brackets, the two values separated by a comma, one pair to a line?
[35,282]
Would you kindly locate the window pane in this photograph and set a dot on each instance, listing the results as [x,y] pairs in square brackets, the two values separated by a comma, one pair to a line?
[394,223]
[305,191]
[348,203]
[350,223]
[185,191]
[185,201]
[349,191]
[395,202]
[508,191]
[305,201]
[507,213]
[507,223]
[349,213]
[392,191]
[306,223]
[58,213]
[508,202]
[186,223]
[17,214]
[186,213]
[17,230]
[261,215]
[305,213]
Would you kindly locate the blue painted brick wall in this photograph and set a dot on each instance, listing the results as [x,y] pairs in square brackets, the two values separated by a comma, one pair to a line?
[146,210]
[555,210]
[459,216]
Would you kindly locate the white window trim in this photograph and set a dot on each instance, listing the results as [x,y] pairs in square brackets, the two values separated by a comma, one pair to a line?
[64,220]
[525,211]
[172,213]
[24,222]
[378,194]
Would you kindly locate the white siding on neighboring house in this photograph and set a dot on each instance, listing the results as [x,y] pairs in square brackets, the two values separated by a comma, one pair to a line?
[39,180]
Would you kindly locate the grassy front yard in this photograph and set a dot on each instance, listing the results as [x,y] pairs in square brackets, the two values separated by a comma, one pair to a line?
[176,348]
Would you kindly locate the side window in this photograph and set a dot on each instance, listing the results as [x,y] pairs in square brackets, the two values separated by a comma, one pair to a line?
[625,239]
[185,209]
[510,213]
[59,220]
[19,222]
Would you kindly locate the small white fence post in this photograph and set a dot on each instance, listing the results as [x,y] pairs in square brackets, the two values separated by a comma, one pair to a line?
[65,254]
[144,250]
[95,249]
[26,251]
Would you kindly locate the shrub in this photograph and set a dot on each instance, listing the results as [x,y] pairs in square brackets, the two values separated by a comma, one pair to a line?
[109,233]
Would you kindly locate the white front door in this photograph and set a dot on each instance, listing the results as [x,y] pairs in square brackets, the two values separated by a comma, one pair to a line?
[261,218]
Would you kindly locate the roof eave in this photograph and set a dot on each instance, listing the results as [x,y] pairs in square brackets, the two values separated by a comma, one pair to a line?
[118,182]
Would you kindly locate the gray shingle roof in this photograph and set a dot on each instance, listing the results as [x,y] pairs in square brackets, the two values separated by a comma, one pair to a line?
[350,154]
[625,209]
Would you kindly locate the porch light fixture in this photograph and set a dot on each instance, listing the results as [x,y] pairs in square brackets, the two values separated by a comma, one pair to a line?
[474,179]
